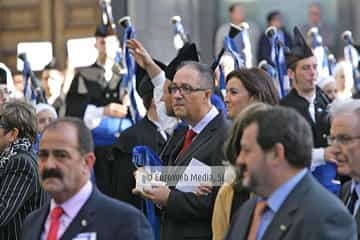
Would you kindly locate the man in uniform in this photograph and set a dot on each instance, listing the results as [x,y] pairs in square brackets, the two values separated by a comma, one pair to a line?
[94,96]
[312,103]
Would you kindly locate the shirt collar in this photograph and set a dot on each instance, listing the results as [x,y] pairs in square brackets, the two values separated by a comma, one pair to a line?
[73,205]
[205,120]
[277,198]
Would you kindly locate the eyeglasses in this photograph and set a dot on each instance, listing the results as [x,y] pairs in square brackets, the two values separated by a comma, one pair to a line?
[183,89]
[341,139]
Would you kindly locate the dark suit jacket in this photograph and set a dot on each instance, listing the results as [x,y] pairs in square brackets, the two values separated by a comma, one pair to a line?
[309,212]
[187,215]
[108,218]
[345,195]
[321,127]
[143,133]
[20,192]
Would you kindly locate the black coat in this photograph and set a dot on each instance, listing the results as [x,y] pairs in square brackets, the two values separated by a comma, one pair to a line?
[20,193]
[90,87]
[187,215]
[144,133]
[321,127]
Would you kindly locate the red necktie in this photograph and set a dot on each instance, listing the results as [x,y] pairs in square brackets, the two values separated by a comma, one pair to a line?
[255,223]
[54,223]
[190,134]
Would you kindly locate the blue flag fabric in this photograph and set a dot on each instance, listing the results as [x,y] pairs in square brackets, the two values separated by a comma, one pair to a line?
[278,58]
[128,82]
[28,92]
[145,157]
[231,48]
[109,129]
[325,175]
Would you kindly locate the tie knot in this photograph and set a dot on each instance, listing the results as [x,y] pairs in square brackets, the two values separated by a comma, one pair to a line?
[260,207]
[190,134]
[57,212]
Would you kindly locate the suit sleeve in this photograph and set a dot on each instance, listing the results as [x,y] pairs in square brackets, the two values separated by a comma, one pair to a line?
[15,188]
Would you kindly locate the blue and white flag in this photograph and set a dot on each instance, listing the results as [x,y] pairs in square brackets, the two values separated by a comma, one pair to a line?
[320,52]
[128,82]
[277,41]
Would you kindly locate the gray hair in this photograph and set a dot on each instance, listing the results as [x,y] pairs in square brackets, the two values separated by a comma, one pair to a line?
[348,106]
[206,75]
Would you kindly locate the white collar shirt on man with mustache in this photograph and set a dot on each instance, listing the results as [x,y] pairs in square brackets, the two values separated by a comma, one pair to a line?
[71,208]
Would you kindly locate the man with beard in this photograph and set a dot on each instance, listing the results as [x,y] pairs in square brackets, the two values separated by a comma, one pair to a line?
[77,208]
[275,151]
[20,191]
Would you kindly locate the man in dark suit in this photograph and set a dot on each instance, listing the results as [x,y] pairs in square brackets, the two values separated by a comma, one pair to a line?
[275,153]
[344,138]
[184,214]
[77,208]
[312,103]
[20,190]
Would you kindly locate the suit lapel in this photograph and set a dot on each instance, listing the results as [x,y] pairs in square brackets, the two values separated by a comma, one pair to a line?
[245,218]
[282,221]
[84,219]
[38,229]
[200,140]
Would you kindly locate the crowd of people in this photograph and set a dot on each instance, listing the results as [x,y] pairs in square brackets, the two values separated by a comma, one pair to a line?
[70,166]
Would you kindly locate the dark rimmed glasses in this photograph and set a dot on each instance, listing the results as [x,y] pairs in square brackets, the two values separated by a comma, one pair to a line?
[184,89]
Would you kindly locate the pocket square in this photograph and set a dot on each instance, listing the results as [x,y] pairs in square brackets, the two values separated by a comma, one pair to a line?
[85,236]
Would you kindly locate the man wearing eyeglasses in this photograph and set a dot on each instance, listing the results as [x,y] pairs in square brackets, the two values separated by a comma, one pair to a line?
[345,141]
[185,215]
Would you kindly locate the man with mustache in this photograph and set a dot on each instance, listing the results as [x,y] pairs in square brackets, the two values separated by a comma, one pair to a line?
[275,152]
[20,191]
[77,208]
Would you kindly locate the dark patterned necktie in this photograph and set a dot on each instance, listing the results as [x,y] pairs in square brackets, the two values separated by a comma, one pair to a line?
[353,199]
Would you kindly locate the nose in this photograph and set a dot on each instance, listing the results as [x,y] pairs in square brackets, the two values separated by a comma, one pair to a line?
[240,159]
[176,94]
[227,98]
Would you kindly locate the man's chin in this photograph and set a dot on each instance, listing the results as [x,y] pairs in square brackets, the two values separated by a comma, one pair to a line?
[50,184]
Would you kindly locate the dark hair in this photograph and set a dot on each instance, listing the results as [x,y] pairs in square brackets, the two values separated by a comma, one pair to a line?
[84,137]
[285,126]
[205,73]
[21,115]
[258,83]
[147,100]
[231,145]
[272,15]
[234,5]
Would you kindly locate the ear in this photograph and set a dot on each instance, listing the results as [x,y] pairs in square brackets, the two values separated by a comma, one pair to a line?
[13,134]
[291,74]
[278,152]
[90,160]
[208,93]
